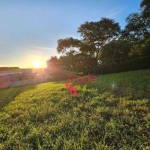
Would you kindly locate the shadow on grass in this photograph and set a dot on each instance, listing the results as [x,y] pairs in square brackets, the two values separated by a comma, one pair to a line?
[9,94]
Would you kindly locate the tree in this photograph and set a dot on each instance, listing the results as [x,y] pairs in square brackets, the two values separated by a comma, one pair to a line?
[97,34]
[138,24]
[67,45]
[87,49]
[53,62]
[115,52]
[84,63]
[145,10]
[136,28]
[145,14]
[67,61]
[142,49]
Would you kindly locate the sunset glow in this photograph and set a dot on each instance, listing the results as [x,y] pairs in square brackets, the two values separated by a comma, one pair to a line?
[36,64]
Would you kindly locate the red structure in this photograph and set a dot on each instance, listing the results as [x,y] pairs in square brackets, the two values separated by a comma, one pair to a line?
[72,90]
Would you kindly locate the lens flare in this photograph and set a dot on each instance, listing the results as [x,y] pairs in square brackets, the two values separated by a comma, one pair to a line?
[36,64]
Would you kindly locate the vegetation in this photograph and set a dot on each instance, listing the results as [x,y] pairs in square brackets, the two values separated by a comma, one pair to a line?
[9,69]
[103,43]
[112,114]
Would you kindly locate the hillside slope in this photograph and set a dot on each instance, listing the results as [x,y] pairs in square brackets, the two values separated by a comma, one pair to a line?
[113,113]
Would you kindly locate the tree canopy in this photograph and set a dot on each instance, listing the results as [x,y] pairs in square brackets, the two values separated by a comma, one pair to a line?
[97,34]
[103,43]
[67,45]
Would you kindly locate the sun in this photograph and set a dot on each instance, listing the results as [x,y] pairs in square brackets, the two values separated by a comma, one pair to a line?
[36,64]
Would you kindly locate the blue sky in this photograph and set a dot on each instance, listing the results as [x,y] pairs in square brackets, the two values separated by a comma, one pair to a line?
[29,29]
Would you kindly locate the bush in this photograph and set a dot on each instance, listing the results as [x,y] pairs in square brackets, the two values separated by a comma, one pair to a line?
[58,74]
[128,65]
[135,64]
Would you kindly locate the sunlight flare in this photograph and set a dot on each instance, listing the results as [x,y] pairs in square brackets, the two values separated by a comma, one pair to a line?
[36,64]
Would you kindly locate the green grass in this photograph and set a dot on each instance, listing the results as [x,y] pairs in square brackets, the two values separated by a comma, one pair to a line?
[111,115]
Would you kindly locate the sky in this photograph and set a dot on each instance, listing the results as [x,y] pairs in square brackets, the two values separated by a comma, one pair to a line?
[30,29]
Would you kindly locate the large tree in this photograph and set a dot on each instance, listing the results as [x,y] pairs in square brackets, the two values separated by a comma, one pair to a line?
[137,30]
[97,34]
[138,24]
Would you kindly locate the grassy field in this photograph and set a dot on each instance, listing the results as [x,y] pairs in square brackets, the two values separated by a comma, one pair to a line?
[113,114]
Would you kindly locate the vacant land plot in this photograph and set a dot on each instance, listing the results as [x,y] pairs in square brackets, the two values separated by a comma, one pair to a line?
[112,114]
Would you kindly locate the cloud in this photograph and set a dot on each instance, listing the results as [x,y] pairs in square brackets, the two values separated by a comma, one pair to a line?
[43,49]
[114,12]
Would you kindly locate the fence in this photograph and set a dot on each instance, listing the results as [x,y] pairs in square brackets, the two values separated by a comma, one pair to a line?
[13,80]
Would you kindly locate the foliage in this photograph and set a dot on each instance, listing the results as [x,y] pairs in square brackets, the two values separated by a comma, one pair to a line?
[115,52]
[136,63]
[97,34]
[104,45]
[53,62]
[137,30]
[141,49]
[9,69]
[84,63]
[145,11]
[67,45]
[82,55]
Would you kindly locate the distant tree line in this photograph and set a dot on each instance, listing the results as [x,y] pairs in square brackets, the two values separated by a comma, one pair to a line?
[9,69]
[104,46]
